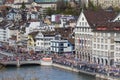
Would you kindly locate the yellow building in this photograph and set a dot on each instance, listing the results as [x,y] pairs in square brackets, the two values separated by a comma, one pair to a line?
[31,40]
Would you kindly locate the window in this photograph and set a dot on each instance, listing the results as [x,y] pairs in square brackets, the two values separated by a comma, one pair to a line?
[106,47]
[61,49]
[98,46]
[98,40]
[101,40]
[68,45]
[112,47]
[61,44]
[83,19]
[38,43]
[101,46]
[85,23]
[94,39]
[94,45]
[112,40]
[80,23]
[105,40]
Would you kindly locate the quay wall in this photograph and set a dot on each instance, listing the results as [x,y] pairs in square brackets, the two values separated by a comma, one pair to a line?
[96,75]
[65,67]
[72,69]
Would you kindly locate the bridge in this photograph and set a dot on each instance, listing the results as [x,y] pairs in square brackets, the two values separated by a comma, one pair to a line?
[19,63]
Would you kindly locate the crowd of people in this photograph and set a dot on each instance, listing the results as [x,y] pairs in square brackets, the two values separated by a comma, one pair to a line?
[69,60]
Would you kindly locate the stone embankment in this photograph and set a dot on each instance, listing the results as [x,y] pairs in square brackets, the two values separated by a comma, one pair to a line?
[72,69]
[98,76]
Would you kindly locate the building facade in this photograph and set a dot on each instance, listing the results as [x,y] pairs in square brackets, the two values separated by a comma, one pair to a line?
[43,41]
[61,46]
[97,37]
[117,50]
[83,38]
[63,42]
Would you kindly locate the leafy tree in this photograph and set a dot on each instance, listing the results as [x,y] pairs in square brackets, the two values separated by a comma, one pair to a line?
[61,5]
[50,11]
[93,7]
[23,5]
[117,9]
[64,8]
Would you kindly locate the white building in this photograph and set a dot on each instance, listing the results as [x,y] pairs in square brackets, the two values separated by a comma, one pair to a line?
[83,38]
[32,26]
[61,46]
[96,37]
[117,50]
[63,42]
[43,41]
[38,26]
[5,31]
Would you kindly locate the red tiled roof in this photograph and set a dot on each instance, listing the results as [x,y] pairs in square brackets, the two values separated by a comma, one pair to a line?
[101,20]
[65,33]
[99,17]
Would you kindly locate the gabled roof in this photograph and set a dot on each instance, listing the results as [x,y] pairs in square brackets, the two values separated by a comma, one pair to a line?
[102,20]
[99,16]
[33,34]
[3,24]
[65,33]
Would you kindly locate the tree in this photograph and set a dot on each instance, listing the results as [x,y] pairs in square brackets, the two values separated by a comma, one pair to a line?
[61,5]
[93,7]
[50,11]
[23,5]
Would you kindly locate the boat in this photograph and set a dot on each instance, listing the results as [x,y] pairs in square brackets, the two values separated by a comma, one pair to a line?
[46,61]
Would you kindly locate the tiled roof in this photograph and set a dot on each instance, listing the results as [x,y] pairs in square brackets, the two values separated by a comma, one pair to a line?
[33,34]
[3,24]
[65,33]
[101,20]
[99,17]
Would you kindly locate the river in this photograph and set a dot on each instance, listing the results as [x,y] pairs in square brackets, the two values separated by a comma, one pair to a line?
[42,73]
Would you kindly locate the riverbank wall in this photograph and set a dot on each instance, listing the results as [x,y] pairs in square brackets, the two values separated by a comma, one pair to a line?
[65,67]
[96,75]
[73,69]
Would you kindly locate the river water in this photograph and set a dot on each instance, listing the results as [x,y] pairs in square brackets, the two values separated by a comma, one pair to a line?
[41,73]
